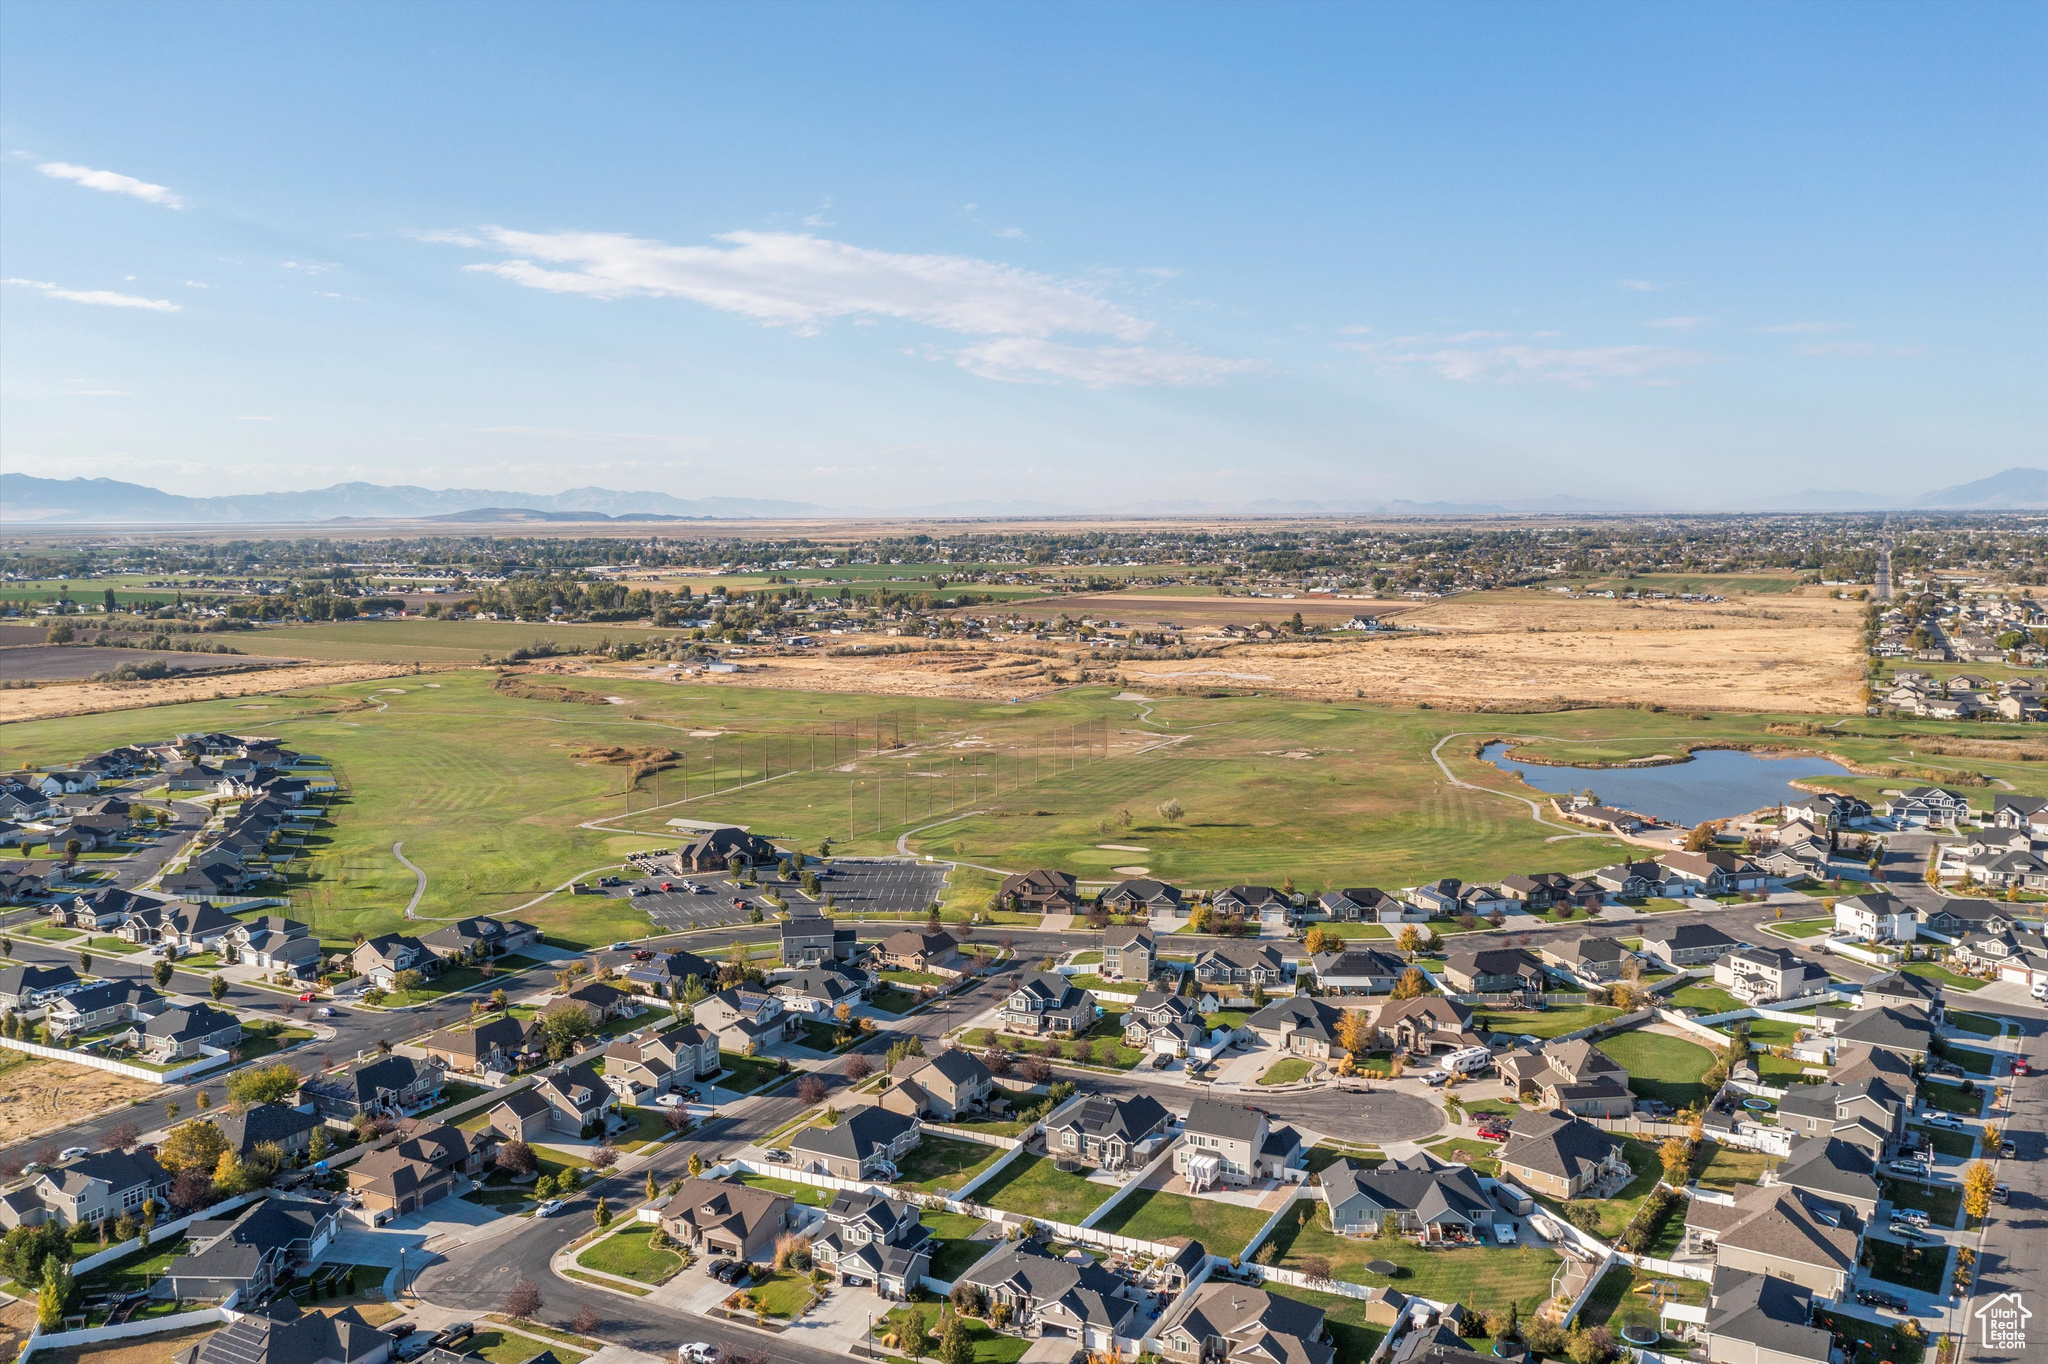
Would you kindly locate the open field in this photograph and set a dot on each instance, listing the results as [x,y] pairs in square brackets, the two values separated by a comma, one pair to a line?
[91,698]
[1034,1187]
[71,663]
[47,1095]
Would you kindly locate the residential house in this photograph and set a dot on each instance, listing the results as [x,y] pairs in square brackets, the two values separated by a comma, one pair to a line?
[1041,891]
[1902,988]
[1769,1230]
[381,959]
[1825,809]
[1572,1077]
[1426,1024]
[1712,872]
[27,989]
[1681,945]
[182,1033]
[1426,1196]
[430,1164]
[1243,964]
[871,1239]
[1439,898]
[1562,1156]
[1357,971]
[480,939]
[1538,890]
[1923,806]
[1955,919]
[1167,1024]
[1804,859]
[1077,1300]
[723,848]
[1903,1030]
[1258,904]
[108,1004]
[946,1087]
[822,989]
[746,1020]
[1368,904]
[90,1189]
[1767,975]
[604,1003]
[249,1254]
[1045,1003]
[1113,1133]
[19,887]
[1229,1144]
[281,1125]
[2021,812]
[498,1045]
[1243,1325]
[1633,881]
[275,943]
[1588,959]
[866,1142]
[1830,1170]
[727,1218]
[640,1065]
[1877,917]
[1865,1101]
[916,949]
[669,974]
[1143,896]
[1758,1319]
[179,925]
[1299,1025]
[389,1086]
[1495,971]
[214,876]
[283,1333]
[809,937]
[1128,954]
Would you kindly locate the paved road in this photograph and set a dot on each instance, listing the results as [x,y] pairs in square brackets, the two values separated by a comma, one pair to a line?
[2014,1258]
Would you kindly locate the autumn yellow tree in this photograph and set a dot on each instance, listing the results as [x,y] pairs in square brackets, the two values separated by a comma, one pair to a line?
[1412,984]
[1316,942]
[1978,1181]
[1676,1153]
[1411,941]
[1355,1032]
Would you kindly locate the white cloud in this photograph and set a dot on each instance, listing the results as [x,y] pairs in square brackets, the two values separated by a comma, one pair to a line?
[111,183]
[1027,359]
[803,282]
[1009,232]
[1579,365]
[255,419]
[195,284]
[310,267]
[1640,286]
[1863,349]
[1807,328]
[1478,336]
[1681,324]
[103,297]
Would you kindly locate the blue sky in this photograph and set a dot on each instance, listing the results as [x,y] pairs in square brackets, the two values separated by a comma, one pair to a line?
[1684,255]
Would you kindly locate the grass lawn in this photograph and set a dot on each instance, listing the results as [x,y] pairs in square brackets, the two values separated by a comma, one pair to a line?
[646,1126]
[1621,1299]
[1941,1204]
[1803,928]
[509,1347]
[133,1271]
[1660,1067]
[1354,1337]
[1982,1024]
[893,1001]
[1352,930]
[1951,1099]
[1970,1059]
[47,932]
[1287,1071]
[114,945]
[1543,1022]
[1869,1342]
[1489,1277]
[914,977]
[255,1044]
[990,1346]
[824,1037]
[630,1255]
[1152,1215]
[994,1127]
[1033,1186]
[1944,975]
[1781,1070]
[803,1193]
[944,1163]
[1708,999]
[747,1073]
[1730,1168]
[953,1252]
[1771,1032]
[784,1293]
[1322,1157]
[1960,1145]
[454,1092]
[1921,1267]
[1617,1212]
[1470,1151]
[1105,1044]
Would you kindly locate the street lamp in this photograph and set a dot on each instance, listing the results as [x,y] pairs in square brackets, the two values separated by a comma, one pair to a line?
[871,1335]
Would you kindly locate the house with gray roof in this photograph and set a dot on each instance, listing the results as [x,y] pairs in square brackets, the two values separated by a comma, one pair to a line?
[26,989]
[864,1143]
[1047,1003]
[1681,945]
[1763,1320]
[282,1333]
[1560,1155]
[1244,1325]
[1111,1132]
[869,1238]
[1300,1025]
[177,1034]
[1048,1296]
[287,1128]
[87,1190]
[251,1252]
[1427,1196]
[1232,1144]
[1831,1170]
[1903,1030]
[107,1004]
[1357,971]
[944,1088]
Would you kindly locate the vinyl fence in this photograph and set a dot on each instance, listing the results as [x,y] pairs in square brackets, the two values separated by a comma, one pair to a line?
[58,1340]
[214,1056]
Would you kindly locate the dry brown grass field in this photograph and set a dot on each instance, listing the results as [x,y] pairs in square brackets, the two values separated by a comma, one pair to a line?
[90,698]
[38,1096]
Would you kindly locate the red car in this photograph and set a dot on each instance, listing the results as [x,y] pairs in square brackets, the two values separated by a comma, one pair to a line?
[306,998]
[2020,1066]
[1493,1131]
[665,885]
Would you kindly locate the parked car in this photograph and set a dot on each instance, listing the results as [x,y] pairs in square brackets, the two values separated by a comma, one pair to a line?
[1944,1120]
[721,1270]
[697,1352]
[2007,1150]
[644,954]
[454,1331]
[778,1156]
[1912,1215]
[1906,1232]
[669,1101]
[1494,1131]
[1949,1068]
[1872,1297]
[74,1153]
[400,1330]
[622,946]
[1160,1061]
[549,1208]
[306,998]
[2020,1066]
[2001,1194]
[1434,1078]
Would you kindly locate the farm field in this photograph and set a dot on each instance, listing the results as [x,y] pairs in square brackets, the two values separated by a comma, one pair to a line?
[70,663]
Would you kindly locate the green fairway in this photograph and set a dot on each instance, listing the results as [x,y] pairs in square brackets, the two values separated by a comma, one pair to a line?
[1150,1215]
[1033,1186]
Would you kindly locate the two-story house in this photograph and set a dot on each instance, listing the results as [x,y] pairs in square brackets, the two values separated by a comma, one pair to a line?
[727,1218]
[746,1020]
[1427,1024]
[870,1239]
[1299,1025]
[28,990]
[1045,1003]
[1922,806]
[497,1045]
[181,1033]
[1239,1324]
[1767,975]
[386,1086]
[640,1066]
[1073,1300]
[252,1252]
[1243,964]
[1572,1077]
[275,943]
[809,937]
[1128,954]
[380,959]
[281,1125]
[917,949]
[1167,1024]
[89,1190]
[1877,917]
[1228,1144]
[1588,958]
[863,1144]
[108,1004]
[945,1087]
[1041,891]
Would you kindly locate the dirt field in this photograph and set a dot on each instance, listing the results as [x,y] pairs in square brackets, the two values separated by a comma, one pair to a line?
[38,1096]
[145,1350]
[65,663]
[89,698]
[1146,609]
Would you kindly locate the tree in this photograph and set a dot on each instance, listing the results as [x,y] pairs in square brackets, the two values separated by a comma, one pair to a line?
[84,962]
[696,1164]
[1703,836]
[192,1145]
[1410,941]
[517,1158]
[263,1084]
[192,1189]
[1978,1182]
[995,1058]
[810,1091]
[54,1296]
[1315,942]
[524,1300]
[1035,1070]
[913,1339]
[1676,1153]
[1201,919]
[1355,1031]
[858,1068]
[954,1345]
[1390,1225]
[1171,810]
[602,1214]
[1413,984]
[564,1025]
[653,1187]
[218,988]
[120,1138]
[585,1321]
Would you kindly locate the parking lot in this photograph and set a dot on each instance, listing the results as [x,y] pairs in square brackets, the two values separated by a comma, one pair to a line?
[856,887]
[678,909]
[883,887]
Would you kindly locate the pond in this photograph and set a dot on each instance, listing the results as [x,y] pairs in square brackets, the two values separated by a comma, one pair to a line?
[1714,784]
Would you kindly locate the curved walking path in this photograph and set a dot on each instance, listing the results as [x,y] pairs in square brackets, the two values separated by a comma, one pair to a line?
[1535,810]
[420,878]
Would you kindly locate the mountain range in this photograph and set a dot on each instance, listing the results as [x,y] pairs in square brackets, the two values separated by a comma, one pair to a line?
[25,499]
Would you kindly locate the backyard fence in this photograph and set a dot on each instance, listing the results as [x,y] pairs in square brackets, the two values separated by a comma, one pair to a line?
[160,1231]
[1670,1268]
[214,1057]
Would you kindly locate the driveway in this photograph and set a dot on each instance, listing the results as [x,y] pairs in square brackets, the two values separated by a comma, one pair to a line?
[375,1246]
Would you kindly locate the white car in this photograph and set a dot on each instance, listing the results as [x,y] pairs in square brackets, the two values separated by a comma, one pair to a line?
[74,1153]
[1947,1120]
[697,1352]
[670,1101]
[549,1208]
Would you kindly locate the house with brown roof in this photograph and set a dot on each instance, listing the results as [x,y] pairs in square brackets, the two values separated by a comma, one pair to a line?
[1770,1230]
[1244,1325]
[947,1086]
[1044,890]
[918,949]
[641,1065]
[1574,1077]
[494,1045]
[1426,1024]
[726,1218]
